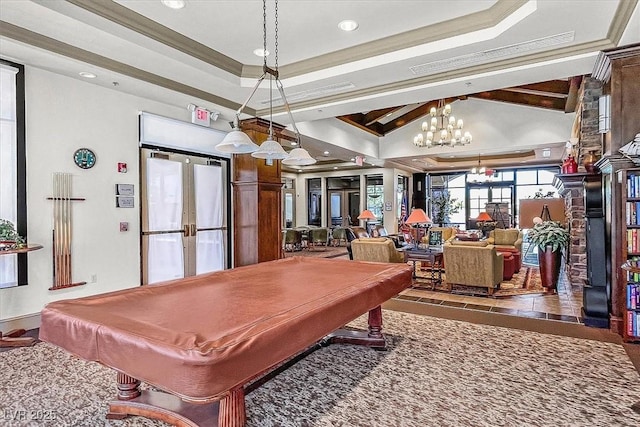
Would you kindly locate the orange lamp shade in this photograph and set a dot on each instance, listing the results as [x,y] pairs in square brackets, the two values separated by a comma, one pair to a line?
[418,216]
[366,214]
[483,217]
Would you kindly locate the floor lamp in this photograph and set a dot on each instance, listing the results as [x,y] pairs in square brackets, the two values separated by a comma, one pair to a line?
[417,217]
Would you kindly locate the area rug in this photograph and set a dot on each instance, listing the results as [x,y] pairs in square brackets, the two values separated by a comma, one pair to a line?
[525,282]
[436,372]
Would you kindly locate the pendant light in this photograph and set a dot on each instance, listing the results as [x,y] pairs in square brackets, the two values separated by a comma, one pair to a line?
[237,141]
[269,149]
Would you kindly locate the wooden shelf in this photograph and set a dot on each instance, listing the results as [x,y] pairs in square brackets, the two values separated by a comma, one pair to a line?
[14,338]
[28,248]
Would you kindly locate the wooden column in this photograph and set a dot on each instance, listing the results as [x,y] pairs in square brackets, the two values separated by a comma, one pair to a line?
[257,211]
[619,70]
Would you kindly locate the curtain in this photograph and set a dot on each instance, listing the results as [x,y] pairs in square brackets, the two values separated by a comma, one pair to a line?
[209,192]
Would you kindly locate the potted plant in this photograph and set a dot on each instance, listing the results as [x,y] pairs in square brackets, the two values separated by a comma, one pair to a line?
[9,237]
[552,239]
[443,206]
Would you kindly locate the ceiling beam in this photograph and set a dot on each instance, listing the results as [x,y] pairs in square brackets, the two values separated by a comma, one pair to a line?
[357,120]
[414,114]
[572,97]
[547,102]
[375,115]
[551,88]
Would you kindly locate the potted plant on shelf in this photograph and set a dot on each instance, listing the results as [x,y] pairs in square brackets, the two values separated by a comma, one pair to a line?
[9,237]
[552,239]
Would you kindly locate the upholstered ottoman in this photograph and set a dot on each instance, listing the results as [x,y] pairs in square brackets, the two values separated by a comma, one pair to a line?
[509,266]
[516,255]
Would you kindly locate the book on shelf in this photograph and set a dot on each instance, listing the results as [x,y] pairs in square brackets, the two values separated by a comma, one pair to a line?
[633,296]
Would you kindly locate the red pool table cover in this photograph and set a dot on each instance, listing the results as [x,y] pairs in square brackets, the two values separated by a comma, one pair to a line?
[201,336]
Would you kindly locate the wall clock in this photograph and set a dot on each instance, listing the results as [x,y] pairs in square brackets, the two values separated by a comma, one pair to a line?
[84,158]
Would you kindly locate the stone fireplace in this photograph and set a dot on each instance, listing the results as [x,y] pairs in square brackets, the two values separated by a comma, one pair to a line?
[571,186]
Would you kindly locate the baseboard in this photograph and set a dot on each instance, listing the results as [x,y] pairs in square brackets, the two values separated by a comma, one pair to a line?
[29,321]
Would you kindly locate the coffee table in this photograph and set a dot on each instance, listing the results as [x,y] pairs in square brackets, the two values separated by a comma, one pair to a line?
[431,256]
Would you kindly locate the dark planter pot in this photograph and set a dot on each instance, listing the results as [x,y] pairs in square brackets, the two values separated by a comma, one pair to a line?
[549,262]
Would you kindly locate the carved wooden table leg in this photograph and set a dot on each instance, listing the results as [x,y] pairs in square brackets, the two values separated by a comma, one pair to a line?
[169,408]
[375,323]
[232,411]
[128,388]
[371,338]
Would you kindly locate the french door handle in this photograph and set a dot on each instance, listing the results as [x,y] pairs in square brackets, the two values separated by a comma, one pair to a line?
[193,229]
[186,230]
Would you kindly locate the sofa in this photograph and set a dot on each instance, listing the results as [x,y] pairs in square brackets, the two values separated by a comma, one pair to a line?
[472,263]
[376,249]
[508,240]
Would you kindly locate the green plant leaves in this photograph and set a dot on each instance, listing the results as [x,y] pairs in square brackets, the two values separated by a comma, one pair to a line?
[549,233]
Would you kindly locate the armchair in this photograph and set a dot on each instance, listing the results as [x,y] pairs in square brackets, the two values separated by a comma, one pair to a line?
[376,249]
[473,264]
[318,236]
[354,233]
[291,239]
[508,240]
[448,233]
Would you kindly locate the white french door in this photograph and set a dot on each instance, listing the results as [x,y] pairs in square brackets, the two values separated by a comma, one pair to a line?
[184,221]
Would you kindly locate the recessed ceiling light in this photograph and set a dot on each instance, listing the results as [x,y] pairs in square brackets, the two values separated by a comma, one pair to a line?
[294,143]
[174,4]
[326,153]
[261,52]
[348,25]
[335,167]
[414,160]
[299,170]
[87,75]
[353,159]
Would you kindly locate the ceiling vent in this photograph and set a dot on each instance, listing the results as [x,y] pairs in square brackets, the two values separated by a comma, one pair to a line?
[313,93]
[490,55]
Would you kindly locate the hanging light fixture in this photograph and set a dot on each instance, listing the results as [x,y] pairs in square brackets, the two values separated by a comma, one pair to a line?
[237,141]
[482,173]
[442,129]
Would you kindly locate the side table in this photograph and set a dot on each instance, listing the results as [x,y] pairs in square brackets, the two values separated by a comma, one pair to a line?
[433,258]
[14,338]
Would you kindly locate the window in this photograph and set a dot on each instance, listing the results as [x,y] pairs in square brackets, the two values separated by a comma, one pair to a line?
[13,205]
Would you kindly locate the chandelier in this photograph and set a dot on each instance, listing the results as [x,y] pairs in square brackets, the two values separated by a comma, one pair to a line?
[238,142]
[482,174]
[442,129]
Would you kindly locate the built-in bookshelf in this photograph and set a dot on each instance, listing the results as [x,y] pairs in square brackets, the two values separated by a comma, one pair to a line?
[632,249]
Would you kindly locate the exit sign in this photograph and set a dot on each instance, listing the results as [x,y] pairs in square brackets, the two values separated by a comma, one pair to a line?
[201,117]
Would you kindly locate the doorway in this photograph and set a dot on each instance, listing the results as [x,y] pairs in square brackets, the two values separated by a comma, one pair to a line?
[184,200]
[344,207]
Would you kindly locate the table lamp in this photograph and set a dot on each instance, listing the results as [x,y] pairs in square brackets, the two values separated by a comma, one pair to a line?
[484,222]
[366,215]
[417,217]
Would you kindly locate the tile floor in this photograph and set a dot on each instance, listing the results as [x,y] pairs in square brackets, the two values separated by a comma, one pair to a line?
[563,306]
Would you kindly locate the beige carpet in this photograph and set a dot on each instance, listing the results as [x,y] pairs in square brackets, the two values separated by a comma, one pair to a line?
[436,373]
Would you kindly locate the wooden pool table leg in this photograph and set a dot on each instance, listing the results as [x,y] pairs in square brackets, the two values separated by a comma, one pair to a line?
[232,411]
[372,338]
[228,412]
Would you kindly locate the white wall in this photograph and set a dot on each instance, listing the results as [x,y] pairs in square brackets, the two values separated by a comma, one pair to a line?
[64,114]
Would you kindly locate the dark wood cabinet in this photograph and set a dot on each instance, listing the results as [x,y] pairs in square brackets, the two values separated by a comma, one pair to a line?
[257,213]
[596,293]
[619,70]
